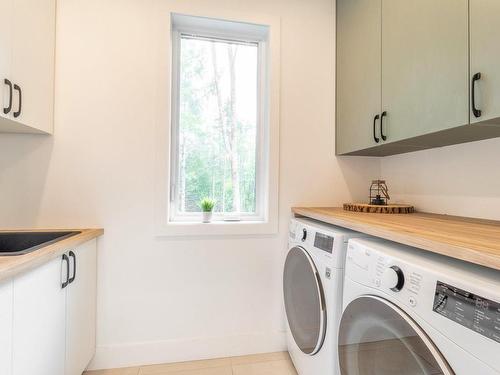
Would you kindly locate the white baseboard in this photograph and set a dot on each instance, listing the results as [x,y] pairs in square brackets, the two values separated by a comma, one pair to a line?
[154,352]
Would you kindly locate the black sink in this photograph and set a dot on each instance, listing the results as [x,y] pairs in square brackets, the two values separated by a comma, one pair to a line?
[19,243]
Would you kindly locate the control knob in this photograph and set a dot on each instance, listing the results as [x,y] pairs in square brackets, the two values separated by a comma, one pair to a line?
[393,279]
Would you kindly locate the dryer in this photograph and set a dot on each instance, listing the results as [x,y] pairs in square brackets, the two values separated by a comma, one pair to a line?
[408,311]
[312,288]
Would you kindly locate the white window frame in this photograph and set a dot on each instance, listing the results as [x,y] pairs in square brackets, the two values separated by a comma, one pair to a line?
[169,223]
[239,34]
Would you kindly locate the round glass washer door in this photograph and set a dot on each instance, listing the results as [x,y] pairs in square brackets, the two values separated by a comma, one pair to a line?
[376,337]
[304,301]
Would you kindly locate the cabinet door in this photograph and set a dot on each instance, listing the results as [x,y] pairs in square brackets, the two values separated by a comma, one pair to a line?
[5,52]
[6,327]
[81,310]
[33,48]
[424,66]
[485,58]
[358,73]
[39,321]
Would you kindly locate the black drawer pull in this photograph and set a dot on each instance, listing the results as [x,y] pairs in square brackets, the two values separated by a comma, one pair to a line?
[18,113]
[72,278]
[66,259]
[7,109]
[477,112]
[375,138]
[384,114]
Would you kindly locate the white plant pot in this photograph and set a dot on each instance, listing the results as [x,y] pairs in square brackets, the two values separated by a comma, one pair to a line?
[207,217]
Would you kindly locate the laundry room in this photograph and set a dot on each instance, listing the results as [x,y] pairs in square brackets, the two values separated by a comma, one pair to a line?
[279,187]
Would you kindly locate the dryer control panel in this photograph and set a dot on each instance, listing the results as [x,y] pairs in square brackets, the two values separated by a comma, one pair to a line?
[324,242]
[469,310]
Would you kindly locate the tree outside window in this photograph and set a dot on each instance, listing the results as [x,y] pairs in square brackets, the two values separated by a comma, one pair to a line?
[218,122]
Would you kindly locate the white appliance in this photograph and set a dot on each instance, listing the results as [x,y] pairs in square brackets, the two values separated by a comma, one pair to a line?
[407,311]
[312,287]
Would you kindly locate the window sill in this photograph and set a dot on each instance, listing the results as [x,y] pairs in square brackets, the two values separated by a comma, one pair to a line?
[217,228]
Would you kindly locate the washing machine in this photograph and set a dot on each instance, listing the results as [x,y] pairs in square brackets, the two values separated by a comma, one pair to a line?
[411,312]
[312,287]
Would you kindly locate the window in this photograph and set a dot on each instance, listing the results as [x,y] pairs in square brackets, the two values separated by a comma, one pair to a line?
[220,119]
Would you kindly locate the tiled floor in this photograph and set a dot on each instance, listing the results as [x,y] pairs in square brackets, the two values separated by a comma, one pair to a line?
[258,364]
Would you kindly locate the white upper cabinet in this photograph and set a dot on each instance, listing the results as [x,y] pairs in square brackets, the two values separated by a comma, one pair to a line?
[6,7]
[81,308]
[358,74]
[6,327]
[27,44]
[425,64]
[485,61]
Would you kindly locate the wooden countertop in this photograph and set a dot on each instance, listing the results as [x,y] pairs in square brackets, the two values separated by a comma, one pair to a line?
[472,240]
[13,265]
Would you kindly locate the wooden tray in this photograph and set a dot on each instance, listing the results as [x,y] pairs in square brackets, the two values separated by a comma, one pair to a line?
[371,208]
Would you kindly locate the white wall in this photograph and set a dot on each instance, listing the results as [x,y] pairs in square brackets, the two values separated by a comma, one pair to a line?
[164,299]
[459,180]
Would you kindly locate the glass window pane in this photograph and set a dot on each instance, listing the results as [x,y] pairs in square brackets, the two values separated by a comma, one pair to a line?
[217,125]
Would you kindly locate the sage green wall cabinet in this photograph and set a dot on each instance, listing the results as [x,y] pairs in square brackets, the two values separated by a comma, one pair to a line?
[425,66]
[425,85]
[485,60]
[359,51]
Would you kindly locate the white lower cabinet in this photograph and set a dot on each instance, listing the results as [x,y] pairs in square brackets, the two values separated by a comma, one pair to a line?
[54,315]
[6,327]
[38,344]
[81,310]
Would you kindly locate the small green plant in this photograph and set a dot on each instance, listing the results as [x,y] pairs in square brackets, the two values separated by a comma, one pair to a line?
[207,204]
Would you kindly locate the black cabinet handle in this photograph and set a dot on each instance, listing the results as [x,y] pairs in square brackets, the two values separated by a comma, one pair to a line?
[375,138]
[9,107]
[72,278]
[66,259]
[384,137]
[475,111]
[18,113]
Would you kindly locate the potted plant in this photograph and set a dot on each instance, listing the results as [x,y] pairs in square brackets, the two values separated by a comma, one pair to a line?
[207,206]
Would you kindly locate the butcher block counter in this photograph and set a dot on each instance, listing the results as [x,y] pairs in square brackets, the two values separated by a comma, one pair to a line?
[471,240]
[12,265]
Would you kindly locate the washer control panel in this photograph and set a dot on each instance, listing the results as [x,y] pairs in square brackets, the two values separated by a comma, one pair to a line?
[469,310]
[399,279]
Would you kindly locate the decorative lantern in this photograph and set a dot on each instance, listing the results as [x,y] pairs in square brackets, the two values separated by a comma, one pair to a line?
[379,193]
[379,202]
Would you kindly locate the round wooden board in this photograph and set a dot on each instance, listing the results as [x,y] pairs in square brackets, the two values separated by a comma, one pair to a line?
[371,208]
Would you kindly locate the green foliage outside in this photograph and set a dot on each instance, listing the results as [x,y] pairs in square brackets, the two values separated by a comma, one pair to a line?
[217,146]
